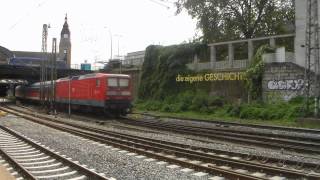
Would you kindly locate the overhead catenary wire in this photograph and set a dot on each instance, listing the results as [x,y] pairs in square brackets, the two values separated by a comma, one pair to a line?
[38,5]
[157,2]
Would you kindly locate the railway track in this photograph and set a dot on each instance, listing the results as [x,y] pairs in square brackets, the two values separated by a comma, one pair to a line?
[199,159]
[220,129]
[34,161]
[247,156]
[294,164]
[275,141]
[225,123]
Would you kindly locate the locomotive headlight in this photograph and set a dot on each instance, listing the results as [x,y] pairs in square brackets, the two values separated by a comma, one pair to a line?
[125,93]
[111,93]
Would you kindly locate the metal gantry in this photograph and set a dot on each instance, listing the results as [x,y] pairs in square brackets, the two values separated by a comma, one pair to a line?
[48,71]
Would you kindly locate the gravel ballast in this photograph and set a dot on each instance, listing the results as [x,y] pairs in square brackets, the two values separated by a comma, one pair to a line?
[216,144]
[122,166]
[113,162]
[238,127]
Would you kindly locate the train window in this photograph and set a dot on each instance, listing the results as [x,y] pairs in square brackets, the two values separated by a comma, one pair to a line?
[98,83]
[112,82]
[123,82]
[75,77]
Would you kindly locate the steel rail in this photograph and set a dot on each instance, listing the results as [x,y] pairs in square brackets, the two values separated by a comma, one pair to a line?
[25,173]
[305,130]
[248,132]
[188,153]
[247,156]
[72,164]
[132,147]
[247,139]
[181,151]
[261,158]
[281,144]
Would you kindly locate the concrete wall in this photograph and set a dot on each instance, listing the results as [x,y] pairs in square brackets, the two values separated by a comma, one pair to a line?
[282,81]
[300,53]
[233,91]
[134,58]
[5,55]
[3,58]
[300,23]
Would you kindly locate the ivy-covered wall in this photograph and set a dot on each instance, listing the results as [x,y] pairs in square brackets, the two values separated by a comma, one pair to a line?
[161,67]
[164,74]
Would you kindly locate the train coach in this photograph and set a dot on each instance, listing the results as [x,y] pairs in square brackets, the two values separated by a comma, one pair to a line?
[108,92]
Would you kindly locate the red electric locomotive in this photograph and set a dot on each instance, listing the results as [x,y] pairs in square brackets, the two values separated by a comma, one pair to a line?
[107,92]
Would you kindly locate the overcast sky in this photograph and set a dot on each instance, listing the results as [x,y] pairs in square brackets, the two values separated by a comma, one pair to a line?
[134,23]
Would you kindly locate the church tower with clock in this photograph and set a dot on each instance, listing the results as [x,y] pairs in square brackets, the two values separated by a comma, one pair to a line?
[65,44]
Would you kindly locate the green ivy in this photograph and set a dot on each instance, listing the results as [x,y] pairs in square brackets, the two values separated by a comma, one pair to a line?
[255,72]
[162,65]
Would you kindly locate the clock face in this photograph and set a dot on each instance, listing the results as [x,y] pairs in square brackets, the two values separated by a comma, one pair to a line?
[65,35]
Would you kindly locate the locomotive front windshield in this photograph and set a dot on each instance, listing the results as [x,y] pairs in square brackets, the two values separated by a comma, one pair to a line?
[112,82]
[118,82]
[123,82]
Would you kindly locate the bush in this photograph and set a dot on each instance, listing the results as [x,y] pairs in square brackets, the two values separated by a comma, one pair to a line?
[171,107]
[215,101]
[273,111]
[199,101]
[186,100]
[295,111]
[246,112]
[169,100]
[153,105]
[204,109]
[166,108]
[296,100]
[263,114]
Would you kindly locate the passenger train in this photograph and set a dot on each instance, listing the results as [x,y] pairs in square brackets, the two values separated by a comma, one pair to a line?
[98,91]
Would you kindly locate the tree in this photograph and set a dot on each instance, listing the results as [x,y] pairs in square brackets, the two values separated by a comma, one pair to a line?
[234,19]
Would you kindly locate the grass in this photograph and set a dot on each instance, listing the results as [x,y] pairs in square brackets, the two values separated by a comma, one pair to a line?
[198,105]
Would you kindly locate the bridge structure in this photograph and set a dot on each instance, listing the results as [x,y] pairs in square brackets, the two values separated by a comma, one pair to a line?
[32,74]
[12,75]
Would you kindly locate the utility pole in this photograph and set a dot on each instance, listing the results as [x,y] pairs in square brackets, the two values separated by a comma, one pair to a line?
[312,65]
[53,77]
[316,59]
[69,99]
[43,65]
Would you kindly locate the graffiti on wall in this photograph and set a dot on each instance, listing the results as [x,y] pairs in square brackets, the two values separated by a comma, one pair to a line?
[295,84]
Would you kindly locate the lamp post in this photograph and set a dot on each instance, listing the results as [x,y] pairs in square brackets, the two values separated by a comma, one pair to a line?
[118,55]
[69,99]
[118,36]
[111,41]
